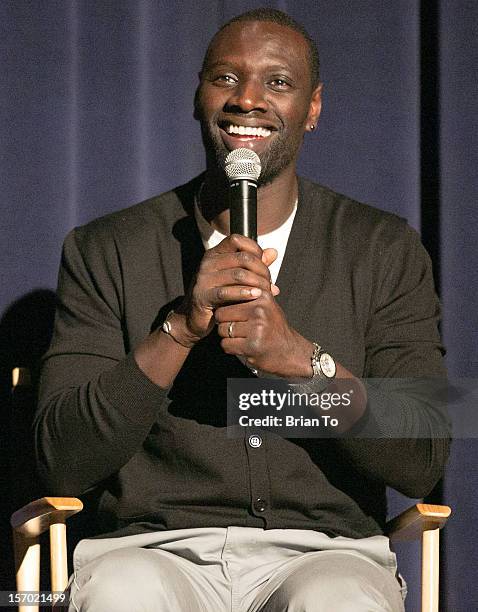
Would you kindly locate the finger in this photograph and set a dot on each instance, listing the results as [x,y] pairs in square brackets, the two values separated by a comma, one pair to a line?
[239,276]
[269,256]
[236,242]
[233,312]
[238,347]
[232,293]
[233,346]
[240,259]
[244,311]
[232,329]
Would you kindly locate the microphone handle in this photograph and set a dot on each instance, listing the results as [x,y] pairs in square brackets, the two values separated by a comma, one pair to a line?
[243,218]
[243,208]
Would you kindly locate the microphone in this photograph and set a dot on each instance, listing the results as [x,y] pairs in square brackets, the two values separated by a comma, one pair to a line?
[243,168]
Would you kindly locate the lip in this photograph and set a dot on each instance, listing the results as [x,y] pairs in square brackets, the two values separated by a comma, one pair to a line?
[235,141]
[251,124]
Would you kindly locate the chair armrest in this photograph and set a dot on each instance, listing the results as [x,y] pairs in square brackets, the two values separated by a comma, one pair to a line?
[413,522]
[21,377]
[47,513]
[37,516]
[28,523]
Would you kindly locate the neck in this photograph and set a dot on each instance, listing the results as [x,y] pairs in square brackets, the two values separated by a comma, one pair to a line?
[275,201]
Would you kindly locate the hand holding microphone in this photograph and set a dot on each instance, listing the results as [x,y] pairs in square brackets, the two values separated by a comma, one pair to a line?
[256,331]
[233,286]
[236,270]
[243,168]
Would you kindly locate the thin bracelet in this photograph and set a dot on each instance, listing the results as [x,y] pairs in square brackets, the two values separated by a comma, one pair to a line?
[167,328]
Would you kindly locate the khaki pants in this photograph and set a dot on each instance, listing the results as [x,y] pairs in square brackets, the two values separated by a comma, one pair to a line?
[235,569]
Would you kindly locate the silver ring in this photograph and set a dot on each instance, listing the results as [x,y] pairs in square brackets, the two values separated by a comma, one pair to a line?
[230,329]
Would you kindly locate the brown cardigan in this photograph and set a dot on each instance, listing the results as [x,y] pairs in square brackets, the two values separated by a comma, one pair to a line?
[355,279]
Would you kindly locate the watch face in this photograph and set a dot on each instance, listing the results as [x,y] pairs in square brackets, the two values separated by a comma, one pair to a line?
[327,365]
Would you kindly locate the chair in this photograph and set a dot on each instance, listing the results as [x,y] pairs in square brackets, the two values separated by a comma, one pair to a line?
[28,523]
[50,513]
[423,521]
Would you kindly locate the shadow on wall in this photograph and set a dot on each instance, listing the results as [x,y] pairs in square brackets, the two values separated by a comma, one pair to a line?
[25,332]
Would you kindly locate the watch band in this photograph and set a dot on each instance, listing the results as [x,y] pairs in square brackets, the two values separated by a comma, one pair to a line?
[317,370]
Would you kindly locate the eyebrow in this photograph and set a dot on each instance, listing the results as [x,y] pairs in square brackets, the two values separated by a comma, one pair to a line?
[228,63]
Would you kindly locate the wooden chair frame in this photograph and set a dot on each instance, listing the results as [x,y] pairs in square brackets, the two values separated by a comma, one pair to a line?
[28,523]
[422,521]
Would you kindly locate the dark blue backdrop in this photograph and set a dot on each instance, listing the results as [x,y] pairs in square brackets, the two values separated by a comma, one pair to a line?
[96,114]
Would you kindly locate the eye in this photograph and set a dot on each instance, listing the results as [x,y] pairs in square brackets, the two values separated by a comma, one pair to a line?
[280,84]
[225,79]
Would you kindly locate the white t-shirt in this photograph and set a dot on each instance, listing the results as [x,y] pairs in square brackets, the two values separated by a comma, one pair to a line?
[276,239]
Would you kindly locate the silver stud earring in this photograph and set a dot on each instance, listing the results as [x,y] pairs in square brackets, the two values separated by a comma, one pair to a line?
[312,127]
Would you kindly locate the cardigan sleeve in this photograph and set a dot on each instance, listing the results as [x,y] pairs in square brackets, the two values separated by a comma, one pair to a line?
[95,405]
[403,438]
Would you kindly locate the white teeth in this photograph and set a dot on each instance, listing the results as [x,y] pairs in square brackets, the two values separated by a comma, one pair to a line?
[248,131]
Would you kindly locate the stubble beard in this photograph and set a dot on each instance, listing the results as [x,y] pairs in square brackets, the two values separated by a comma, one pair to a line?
[278,155]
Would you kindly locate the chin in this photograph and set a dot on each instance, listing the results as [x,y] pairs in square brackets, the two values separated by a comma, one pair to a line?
[274,159]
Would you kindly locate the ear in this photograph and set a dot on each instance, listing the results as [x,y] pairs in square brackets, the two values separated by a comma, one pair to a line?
[196,111]
[315,107]
[196,99]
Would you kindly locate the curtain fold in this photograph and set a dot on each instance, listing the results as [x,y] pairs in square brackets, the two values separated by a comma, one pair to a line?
[96,114]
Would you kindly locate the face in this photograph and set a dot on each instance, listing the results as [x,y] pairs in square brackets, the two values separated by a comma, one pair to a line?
[255,91]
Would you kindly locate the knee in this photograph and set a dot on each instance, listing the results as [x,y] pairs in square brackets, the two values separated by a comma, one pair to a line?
[315,594]
[122,580]
[331,584]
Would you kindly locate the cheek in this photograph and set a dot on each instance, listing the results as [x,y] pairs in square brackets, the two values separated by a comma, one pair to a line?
[201,105]
[208,104]
[295,116]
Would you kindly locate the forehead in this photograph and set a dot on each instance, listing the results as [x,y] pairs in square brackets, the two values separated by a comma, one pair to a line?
[250,41]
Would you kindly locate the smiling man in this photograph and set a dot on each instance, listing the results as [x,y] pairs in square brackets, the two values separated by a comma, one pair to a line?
[258,95]
[158,306]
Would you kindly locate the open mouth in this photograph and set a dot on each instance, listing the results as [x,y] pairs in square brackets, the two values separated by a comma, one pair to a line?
[255,137]
[244,132]
[251,132]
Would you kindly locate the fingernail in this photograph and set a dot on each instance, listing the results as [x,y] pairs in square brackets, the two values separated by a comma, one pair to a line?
[255,292]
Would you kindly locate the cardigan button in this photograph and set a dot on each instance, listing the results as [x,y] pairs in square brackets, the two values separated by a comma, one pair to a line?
[255,441]
[259,505]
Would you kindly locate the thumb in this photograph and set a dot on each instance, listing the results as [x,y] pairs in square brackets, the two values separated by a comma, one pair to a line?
[269,256]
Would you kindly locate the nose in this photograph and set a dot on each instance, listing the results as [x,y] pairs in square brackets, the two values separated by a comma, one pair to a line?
[247,96]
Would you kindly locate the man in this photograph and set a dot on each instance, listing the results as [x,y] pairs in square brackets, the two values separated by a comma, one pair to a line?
[156,305]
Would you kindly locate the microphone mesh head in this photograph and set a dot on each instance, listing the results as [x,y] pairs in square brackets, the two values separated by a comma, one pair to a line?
[242,164]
